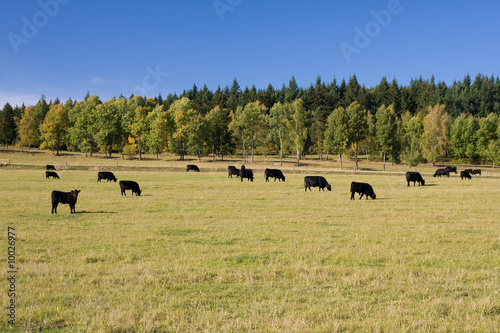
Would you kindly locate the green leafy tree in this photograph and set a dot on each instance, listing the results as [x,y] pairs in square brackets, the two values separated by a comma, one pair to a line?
[337,133]
[277,126]
[458,137]
[253,119]
[182,112]
[296,125]
[83,121]
[435,139]
[486,133]
[108,125]
[386,130]
[493,152]
[54,129]
[219,135]
[413,129]
[159,124]
[139,128]
[28,128]
[357,126]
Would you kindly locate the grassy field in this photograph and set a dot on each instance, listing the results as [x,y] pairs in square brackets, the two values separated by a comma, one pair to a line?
[201,252]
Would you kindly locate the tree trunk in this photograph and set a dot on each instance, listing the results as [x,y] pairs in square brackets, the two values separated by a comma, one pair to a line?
[253,145]
[356,156]
[298,156]
[244,156]
[139,146]
[383,169]
[321,151]
[341,166]
[281,148]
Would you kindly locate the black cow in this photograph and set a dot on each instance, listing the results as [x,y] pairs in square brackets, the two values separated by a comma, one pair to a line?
[231,170]
[414,177]
[50,167]
[468,170]
[441,172]
[316,181]
[52,174]
[451,169]
[64,198]
[274,173]
[363,189]
[130,185]
[465,174]
[192,167]
[476,172]
[106,175]
[246,173]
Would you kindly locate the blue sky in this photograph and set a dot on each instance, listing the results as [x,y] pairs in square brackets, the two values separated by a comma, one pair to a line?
[64,48]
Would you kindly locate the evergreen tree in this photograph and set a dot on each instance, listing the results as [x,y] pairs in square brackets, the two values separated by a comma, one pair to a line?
[7,125]
[292,92]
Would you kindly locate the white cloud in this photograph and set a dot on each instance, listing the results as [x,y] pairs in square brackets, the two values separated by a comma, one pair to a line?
[97,79]
[18,99]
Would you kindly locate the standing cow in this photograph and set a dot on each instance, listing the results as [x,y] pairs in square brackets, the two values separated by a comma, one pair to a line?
[192,167]
[476,172]
[50,167]
[414,177]
[363,189]
[64,198]
[316,181]
[246,173]
[52,174]
[451,169]
[130,185]
[231,170]
[441,172]
[106,175]
[274,173]
[465,174]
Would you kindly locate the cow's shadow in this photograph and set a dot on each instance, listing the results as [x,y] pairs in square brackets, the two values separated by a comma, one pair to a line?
[94,212]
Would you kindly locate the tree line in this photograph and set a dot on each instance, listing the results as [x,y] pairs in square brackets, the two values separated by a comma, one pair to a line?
[422,122]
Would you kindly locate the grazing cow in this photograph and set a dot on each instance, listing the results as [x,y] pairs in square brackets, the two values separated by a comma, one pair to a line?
[316,181]
[468,170]
[451,169]
[274,173]
[476,172]
[246,173]
[64,198]
[441,172]
[231,170]
[363,189]
[52,174]
[414,177]
[130,185]
[192,167]
[50,167]
[465,174]
[106,175]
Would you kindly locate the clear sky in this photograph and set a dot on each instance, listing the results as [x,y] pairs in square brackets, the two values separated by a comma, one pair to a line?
[64,48]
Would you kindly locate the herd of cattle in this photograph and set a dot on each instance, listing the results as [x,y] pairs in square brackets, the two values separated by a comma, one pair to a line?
[364,189]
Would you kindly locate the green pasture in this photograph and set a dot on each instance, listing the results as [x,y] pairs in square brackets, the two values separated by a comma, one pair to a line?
[201,252]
